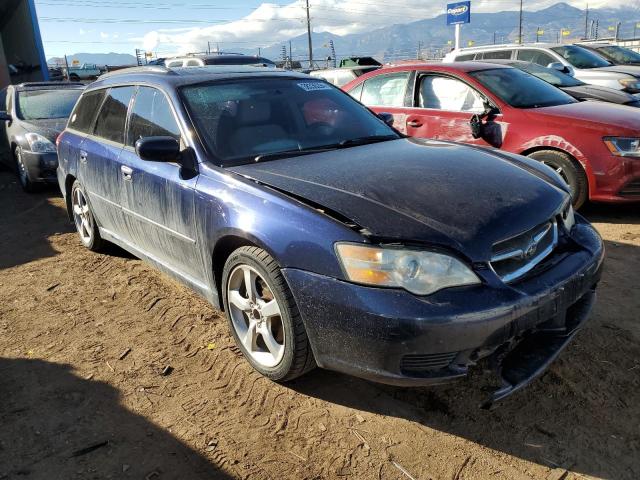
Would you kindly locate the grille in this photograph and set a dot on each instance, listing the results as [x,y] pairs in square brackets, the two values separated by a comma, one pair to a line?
[421,362]
[631,189]
[514,257]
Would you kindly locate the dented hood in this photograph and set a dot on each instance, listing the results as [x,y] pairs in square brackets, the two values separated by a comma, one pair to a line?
[409,190]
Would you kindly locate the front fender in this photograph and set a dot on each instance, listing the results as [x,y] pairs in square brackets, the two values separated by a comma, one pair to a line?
[293,233]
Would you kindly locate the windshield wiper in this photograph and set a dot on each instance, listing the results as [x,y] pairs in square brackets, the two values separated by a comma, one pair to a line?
[291,153]
[352,142]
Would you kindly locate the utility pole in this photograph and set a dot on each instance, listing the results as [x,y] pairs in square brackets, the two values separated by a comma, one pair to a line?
[309,37]
[494,38]
[586,23]
[290,57]
[537,34]
[520,25]
[209,48]
[419,49]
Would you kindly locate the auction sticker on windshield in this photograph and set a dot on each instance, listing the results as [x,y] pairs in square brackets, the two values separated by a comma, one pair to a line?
[313,86]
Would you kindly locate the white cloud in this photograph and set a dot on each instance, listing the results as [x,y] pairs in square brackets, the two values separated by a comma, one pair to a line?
[271,23]
[104,35]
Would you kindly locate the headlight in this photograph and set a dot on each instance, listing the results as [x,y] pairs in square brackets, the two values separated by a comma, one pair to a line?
[39,144]
[630,84]
[623,146]
[420,272]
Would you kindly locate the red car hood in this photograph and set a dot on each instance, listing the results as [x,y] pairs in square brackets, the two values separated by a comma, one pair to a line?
[609,117]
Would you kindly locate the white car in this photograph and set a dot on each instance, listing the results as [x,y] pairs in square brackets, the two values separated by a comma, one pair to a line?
[583,64]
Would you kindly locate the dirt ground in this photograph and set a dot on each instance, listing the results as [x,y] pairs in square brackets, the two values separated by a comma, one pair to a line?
[75,405]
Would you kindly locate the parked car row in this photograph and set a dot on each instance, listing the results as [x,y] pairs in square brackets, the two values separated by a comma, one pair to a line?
[330,238]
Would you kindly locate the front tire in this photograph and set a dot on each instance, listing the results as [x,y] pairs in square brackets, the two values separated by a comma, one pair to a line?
[263,316]
[84,220]
[570,172]
[23,173]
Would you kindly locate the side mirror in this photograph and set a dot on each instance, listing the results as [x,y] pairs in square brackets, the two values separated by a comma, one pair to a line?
[561,67]
[5,116]
[158,149]
[386,118]
[476,126]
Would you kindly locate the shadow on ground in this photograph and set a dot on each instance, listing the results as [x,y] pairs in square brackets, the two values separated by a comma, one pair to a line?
[57,425]
[34,216]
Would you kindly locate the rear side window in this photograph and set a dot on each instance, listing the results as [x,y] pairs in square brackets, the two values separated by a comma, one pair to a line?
[174,63]
[113,114]
[449,94]
[152,116]
[85,111]
[536,56]
[386,90]
[464,58]
[497,55]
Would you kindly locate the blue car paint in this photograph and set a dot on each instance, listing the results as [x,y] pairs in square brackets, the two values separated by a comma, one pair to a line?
[177,220]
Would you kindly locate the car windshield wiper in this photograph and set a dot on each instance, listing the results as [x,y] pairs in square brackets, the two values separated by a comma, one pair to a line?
[292,153]
[352,142]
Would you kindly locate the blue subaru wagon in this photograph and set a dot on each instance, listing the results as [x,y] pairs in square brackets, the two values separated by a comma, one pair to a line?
[328,238]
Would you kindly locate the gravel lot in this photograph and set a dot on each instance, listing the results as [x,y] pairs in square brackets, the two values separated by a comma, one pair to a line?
[76,403]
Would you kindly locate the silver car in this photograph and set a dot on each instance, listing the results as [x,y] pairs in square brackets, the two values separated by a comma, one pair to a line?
[585,65]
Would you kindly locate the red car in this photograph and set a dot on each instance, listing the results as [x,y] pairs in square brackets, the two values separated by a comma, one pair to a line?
[594,146]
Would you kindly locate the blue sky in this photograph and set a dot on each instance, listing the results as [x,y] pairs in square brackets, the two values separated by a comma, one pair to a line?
[178,26]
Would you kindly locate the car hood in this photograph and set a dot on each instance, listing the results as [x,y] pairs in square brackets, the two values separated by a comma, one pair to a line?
[628,69]
[596,92]
[409,190]
[609,118]
[49,128]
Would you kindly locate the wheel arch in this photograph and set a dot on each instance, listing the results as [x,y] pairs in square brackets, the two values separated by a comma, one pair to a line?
[575,157]
[68,183]
[226,244]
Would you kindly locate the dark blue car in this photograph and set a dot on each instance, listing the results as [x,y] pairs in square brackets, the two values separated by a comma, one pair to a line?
[327,237]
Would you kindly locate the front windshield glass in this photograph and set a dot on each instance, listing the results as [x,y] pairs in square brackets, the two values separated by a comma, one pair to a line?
[521,90]
[620,54]
[549,75]
[244,120]
[580,57]
[44,104]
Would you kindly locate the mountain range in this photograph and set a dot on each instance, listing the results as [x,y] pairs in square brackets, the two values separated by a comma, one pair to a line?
[432,36]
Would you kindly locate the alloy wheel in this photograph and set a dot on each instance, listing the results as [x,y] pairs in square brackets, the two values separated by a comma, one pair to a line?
[255,316]
[82,216]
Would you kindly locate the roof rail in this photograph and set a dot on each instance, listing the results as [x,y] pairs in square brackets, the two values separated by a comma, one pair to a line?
[143,69]
[49,84]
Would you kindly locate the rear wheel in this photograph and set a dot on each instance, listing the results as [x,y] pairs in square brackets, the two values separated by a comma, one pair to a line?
[263,316]
[570,172]
[83,219]
[23,174]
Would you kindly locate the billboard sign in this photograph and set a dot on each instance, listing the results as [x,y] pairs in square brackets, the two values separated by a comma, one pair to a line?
[458,13]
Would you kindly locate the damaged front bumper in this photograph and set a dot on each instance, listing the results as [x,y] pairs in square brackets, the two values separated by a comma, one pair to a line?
[394,337]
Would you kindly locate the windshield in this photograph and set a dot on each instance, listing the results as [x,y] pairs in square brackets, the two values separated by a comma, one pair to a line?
[43,104]
[580,57]
[247,120]
[521,90]
[549,75]
[620,54]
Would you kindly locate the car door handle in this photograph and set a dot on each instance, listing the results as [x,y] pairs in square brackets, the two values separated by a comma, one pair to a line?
[127,173]
[83,156]
[414,123]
